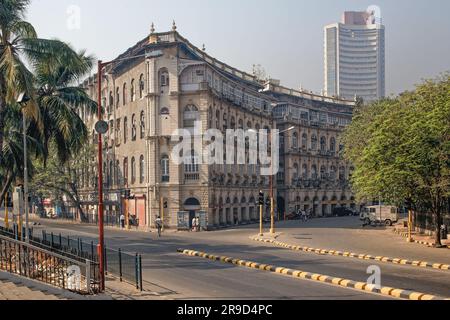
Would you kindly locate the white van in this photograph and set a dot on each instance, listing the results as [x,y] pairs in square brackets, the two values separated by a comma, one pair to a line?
[387,215]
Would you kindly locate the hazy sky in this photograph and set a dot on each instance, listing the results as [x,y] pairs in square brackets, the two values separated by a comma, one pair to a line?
[285,36]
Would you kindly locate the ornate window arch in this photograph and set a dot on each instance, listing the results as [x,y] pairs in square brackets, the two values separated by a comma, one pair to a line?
[141,169]
[141,86]
[132,91]
[133,170]
[142,124]
[124,94]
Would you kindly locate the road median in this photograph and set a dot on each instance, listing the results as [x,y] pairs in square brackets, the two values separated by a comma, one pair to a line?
[346,283]
[398,261]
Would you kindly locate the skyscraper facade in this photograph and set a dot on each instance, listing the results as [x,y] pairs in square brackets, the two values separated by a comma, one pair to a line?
[354,57]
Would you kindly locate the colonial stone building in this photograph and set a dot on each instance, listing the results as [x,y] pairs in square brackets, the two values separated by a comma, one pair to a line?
[164,83]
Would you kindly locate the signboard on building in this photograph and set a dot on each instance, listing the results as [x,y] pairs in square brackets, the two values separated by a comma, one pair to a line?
[183,220]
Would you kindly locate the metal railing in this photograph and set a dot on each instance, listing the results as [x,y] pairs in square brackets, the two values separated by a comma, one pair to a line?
[126,267]
[27,260]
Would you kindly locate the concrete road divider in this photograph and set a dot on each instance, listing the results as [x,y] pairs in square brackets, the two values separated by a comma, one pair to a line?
[360,286]
[420,264]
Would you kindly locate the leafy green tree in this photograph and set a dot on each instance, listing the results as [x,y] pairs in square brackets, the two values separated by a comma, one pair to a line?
[54,179]
[401,149]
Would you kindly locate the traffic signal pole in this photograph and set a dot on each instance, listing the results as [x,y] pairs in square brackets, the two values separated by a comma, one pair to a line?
[261,233]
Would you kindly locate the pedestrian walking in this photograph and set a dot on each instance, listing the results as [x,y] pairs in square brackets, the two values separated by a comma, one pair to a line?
[197,223]
[122,221]
[159,225]
[194,224]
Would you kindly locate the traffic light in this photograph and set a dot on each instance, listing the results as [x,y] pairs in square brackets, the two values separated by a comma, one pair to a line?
[408,204]
[261,198]
[127,194]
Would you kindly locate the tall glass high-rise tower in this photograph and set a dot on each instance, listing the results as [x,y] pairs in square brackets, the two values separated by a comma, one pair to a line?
[355,57]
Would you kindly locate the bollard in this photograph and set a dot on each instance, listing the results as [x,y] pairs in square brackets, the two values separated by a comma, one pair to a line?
[105,261]
[120,264]
[136,269]
[140,272]
[92,251]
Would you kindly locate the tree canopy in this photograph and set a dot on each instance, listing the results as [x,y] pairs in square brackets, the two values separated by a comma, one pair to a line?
[400,148]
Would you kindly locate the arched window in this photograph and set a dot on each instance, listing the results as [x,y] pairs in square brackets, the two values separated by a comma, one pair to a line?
[141,86]
[111,101]
[333,173]
[296,171]
[141,169]
[304,172]
[133,128]
[323,144]
[117,97]
[132,91]
[165,173]
[124,94]
[111,174]
[125,130]
[304,141]
[142,124]
[323,172]
[164,78]
[190,116]
[313,142]
[233,123]
[133,170]
[333,144]
[125,171]
[314,171]
[164,111]
[116,173]
[295,140]
[341,173]
[217,119]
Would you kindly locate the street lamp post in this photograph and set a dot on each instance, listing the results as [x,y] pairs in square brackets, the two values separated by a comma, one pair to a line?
[22,100]
[101,128]
[272,200]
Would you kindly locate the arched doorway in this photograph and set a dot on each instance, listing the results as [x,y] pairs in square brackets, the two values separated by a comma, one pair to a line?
[192,205]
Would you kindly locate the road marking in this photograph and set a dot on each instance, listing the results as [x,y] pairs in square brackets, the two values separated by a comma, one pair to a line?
[360,286]
[398,261]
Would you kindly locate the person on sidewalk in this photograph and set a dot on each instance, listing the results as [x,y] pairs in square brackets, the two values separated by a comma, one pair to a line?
[159,225]
[122,221]
[197,223]
[194,224]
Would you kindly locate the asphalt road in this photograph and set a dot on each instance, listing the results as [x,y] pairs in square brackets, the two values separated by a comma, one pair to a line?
[176,276]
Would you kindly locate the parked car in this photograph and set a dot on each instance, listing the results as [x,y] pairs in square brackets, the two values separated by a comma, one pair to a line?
[342,212]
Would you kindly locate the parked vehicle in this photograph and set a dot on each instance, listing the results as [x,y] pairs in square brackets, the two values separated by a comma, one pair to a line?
[342,212]
[387,215]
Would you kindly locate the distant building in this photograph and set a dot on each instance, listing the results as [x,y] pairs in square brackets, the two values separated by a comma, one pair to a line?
[355,57]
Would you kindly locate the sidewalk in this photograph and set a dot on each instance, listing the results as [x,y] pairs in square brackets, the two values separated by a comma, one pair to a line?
[419,238]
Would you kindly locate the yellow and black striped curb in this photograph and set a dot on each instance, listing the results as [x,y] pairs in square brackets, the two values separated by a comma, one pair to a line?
[361,286]
[421,264]
[426,243]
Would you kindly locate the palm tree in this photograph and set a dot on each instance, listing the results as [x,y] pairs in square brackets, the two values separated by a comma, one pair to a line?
[59,101]
[12,152]
[18,41]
